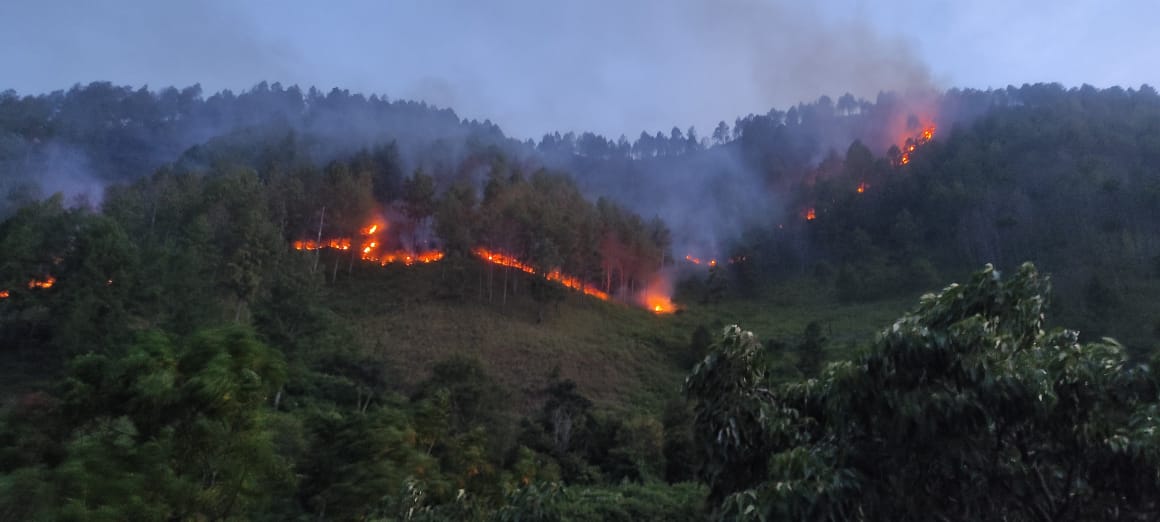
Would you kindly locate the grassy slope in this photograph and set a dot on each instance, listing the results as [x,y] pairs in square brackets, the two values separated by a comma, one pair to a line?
[623,357]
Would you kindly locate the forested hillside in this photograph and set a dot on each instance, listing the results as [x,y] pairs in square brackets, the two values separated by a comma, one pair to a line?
[287,305]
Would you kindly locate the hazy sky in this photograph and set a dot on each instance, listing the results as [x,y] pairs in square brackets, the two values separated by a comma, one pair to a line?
[609,66]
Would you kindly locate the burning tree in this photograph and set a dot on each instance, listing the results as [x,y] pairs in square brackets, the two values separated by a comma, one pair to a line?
[538,225]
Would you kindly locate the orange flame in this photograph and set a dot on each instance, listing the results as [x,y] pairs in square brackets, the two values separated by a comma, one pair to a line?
[405,257]
[656,295]
[47,282]
[862,187]
[697,260]
[713,262]
[501,259]
[369,248]
[913,143]
[370,253]
[659,304]
[33,284]
[336,244]
[811,214]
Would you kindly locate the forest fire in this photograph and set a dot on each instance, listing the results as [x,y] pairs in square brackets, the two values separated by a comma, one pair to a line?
[497,258]
[336,244]
[501,259]
[697,261]
[658,304]
[913,143]
[656,295]
[370,250]
[862,187]
[47,282]
[713,262]
[406,258]
[811,214]
[33,284]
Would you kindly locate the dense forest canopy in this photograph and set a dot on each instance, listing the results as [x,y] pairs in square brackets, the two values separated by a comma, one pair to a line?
[210,306]
[1005,172]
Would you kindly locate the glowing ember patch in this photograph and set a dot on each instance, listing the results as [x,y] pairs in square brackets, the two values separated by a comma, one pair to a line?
[3,294]
[862,188]
[47,282]
[337,244]
[713,262]
[811,214]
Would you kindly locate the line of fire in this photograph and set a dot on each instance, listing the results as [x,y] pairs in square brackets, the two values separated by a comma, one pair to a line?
[36,283]
[912,143]
[372,249]
[899,155]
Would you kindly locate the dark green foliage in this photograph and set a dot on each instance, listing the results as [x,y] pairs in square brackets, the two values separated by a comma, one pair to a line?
[93,264]
[811,350]
[967,389]
[164,430]
[680,451]
[632,502]
[715,285]
[729,392]
[699,343]
[355,461]
[475,399]
[419,196]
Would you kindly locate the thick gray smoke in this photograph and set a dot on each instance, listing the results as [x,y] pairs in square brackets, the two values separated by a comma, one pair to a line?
[600,65]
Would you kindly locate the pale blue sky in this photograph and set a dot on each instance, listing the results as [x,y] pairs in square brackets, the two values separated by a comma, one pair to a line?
[611,67]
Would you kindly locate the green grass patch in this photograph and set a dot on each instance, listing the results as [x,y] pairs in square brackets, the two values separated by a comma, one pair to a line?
[625,358]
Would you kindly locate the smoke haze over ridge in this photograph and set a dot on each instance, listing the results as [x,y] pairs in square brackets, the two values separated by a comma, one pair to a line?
[608,67]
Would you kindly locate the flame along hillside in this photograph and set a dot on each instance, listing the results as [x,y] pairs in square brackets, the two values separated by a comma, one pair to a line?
[33,284]
[371,250]
[912,143]
[900,155]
